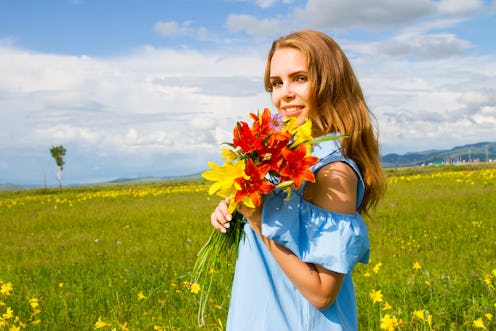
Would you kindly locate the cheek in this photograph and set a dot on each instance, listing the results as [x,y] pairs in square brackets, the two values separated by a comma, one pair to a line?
[275,99]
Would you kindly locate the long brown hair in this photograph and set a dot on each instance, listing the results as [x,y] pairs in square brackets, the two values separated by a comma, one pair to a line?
[338,106]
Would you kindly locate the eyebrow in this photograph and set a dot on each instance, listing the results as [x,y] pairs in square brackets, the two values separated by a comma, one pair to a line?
[296,73]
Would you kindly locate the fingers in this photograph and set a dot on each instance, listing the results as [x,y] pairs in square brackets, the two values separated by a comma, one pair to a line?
[221,217]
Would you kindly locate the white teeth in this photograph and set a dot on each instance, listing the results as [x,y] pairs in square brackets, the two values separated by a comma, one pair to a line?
[292,109]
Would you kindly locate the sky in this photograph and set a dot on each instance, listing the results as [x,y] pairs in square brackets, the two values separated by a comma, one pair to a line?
[135,88]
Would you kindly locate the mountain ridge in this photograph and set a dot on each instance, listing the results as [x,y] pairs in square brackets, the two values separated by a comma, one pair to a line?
[478,152]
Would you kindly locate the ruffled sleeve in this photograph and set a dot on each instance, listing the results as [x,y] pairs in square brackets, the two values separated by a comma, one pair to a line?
[335,241]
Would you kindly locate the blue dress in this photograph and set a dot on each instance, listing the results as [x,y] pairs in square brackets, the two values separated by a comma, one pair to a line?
[262,297]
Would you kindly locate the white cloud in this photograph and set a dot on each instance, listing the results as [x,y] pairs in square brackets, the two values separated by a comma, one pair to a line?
[425,46]
[150,103]
[252,25]
[172,29]
[364,13]
[268,3]
[456,7]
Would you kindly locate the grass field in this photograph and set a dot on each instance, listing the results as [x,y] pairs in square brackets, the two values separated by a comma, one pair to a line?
[118,257]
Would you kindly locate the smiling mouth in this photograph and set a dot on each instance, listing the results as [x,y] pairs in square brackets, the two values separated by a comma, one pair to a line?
[292,110]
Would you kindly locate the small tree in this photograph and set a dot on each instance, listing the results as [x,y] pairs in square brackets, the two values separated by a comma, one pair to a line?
[58,153]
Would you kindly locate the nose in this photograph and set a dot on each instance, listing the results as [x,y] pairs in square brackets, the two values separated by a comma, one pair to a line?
[288,91]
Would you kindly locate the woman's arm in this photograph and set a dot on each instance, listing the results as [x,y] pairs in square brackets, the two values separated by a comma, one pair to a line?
[334,190]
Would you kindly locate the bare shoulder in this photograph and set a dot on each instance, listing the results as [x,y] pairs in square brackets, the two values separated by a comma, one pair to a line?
[335,188]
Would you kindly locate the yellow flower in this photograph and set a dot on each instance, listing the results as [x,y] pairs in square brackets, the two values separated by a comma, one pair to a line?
[416,266]
[101,324]
[195,288]
[419,314]
[33,302]
[8,314]
[228,154]
[366,275]
[376,296]
[303,134]
[387,306]
[377,267]
[141,296]
[494,272]
[479,324]
[61,285]
[14,328]
[489,316]
[223,177]
[123,326]
[389,323]
[429,321]
[36,322]
[6,289]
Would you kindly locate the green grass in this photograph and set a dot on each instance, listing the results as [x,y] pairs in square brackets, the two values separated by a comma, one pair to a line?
[123,253]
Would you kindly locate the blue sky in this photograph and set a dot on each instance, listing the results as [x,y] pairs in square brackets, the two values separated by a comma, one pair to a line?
[150,88]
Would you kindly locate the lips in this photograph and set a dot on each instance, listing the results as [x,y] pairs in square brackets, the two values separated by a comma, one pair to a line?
[292,110]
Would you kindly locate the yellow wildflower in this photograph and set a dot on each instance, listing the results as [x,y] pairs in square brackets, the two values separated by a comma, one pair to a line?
[61,285]
[479,324]
[8,314]
[33,302]
[141,296]
[377,267]
[416,266]
[195,288]
[14,328]
[419,314]
[123,326]
[489,316]
[387,306]
[6,289]
[101,324]
[36,322]
[389,323]
[376,296]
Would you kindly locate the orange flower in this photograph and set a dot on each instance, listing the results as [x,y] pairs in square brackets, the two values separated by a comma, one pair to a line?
[297,166]
[250,191]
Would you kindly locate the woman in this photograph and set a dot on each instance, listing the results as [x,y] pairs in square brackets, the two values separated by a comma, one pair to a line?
[294,266]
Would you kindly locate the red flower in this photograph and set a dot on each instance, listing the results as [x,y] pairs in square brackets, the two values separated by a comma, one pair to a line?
[256,185]
[243,137]
[297,166]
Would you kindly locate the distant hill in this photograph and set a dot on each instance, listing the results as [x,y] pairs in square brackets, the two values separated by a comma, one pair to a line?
[10,187]
[479,152]
[153,179]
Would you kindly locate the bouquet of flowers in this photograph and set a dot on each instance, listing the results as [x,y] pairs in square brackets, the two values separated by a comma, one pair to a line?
[268,154]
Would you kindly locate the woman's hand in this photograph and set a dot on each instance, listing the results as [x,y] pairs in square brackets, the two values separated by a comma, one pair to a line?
[221,217]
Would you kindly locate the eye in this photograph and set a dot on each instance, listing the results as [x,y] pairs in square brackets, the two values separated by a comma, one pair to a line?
[301,78]
[276,83]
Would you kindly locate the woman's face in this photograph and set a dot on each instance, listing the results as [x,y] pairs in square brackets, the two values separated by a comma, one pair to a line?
[290,84]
